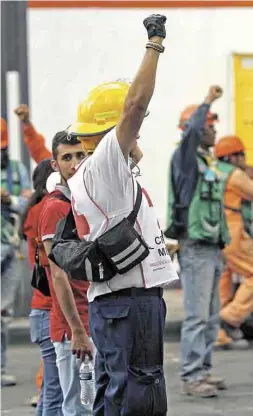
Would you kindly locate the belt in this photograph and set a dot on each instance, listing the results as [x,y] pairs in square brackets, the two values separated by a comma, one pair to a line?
[135,291]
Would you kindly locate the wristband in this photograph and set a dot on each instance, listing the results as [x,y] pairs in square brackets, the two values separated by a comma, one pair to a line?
[155,46]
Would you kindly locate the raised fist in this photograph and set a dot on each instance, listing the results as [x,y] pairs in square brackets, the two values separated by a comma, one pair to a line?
[23,113]
[155,25]
[215,91]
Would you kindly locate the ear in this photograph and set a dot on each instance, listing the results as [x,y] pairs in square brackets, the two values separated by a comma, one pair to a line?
[54,165]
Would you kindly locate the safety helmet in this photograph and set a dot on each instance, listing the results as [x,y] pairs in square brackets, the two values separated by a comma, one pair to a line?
[188,112]
[4,134]
[101,110]
[228,145]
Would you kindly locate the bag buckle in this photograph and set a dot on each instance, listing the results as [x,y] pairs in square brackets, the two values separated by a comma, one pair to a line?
[101,271]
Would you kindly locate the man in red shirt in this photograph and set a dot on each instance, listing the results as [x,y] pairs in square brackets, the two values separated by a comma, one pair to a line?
[67,154]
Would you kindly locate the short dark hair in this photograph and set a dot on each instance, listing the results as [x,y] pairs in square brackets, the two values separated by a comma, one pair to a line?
[225,159]
[62,137]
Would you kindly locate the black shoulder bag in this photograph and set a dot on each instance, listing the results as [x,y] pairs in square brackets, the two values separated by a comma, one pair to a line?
[116,251]
[39,277]
[122,245]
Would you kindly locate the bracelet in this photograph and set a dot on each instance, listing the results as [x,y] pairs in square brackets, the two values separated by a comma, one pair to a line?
[156,46]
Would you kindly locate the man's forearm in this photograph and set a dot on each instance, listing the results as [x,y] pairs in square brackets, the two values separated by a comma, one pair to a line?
[194,131]
[66,300]
[35,143]
[191,138]
[137,101]
[198,119]
[142,87]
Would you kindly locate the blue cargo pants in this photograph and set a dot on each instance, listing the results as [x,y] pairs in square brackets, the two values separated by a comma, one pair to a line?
[127,330]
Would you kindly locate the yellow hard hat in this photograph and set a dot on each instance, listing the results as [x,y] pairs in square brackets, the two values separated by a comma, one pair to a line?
[101,110]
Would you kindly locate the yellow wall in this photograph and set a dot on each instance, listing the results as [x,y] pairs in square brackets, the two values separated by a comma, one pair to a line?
[243,105]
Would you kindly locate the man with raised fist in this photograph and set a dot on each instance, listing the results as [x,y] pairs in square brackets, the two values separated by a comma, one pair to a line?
[195,219]
[127,312]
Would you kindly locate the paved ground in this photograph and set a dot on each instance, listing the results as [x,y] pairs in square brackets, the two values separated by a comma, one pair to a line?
[237,367]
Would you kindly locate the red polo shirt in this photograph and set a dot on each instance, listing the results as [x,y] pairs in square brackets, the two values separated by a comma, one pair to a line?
[53,210]
[39,301]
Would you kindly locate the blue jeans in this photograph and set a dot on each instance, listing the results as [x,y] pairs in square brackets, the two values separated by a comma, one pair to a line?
[50,402]
[9,285]
[127,331]
[200,266]
[68,367]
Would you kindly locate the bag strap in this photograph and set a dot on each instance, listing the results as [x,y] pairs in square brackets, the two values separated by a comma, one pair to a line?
[133,215]
[61,197]
[37,255]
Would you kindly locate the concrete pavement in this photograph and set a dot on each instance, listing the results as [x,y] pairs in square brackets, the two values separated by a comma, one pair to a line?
[235,366]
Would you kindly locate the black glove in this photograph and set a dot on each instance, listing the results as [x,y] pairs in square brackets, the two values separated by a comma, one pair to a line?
[155,25]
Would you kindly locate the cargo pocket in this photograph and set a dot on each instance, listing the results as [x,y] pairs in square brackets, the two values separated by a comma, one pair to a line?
[116,325]
[146,392]
[112,335]
[111,312]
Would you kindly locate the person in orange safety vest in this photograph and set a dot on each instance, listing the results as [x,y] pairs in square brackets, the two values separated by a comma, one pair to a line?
[238,208]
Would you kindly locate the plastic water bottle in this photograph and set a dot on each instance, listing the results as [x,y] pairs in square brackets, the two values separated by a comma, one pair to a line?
[87,382]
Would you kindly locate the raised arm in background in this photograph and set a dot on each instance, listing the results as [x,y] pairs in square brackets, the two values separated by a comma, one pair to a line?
[34,141]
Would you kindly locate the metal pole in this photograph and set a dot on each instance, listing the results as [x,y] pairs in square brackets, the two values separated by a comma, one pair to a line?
[23,68]
[4,62]
[14,56]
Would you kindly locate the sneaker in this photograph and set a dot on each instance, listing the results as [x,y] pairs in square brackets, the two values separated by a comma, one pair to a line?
[233,332]
[224,342]
[240,345]
[199,389]
[218,382]
[236,334]
[8,380]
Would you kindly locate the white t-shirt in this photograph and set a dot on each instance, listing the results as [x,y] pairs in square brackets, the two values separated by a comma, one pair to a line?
[103,191]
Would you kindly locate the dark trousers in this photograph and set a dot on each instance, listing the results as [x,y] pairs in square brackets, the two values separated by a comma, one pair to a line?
[127,330]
